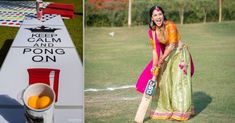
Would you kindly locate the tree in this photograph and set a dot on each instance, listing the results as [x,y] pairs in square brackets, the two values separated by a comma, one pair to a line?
[229,10]
[129,13]
[205,6]
[181,5]
[220,10]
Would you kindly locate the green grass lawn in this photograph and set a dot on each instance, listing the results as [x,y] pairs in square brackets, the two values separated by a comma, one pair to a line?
[74,26]
[117,61]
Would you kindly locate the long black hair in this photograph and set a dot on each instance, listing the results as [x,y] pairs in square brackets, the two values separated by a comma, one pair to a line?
[152,25]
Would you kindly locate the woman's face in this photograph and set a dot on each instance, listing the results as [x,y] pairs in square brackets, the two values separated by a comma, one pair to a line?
[158,17]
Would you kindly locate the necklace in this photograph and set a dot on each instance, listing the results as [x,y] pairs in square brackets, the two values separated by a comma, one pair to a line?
[161,34]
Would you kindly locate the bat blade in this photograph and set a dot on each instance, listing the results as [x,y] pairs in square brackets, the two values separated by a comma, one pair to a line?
[146,99]
[140,114]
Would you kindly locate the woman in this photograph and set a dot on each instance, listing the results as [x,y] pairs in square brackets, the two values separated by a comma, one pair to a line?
[173,98]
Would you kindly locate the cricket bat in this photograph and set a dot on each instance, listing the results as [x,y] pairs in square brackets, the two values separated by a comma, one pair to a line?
[146,99]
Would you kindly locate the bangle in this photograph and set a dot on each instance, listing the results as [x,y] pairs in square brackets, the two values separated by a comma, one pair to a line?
[153,68]
[155,72]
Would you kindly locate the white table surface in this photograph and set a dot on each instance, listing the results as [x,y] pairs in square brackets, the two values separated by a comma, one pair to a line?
[24,54]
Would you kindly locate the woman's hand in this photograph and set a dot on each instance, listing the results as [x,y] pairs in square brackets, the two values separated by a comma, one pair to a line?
[152,69]
[154,78]
[155,72]
[160,62]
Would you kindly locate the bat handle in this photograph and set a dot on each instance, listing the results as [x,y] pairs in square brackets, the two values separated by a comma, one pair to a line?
[154,78]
